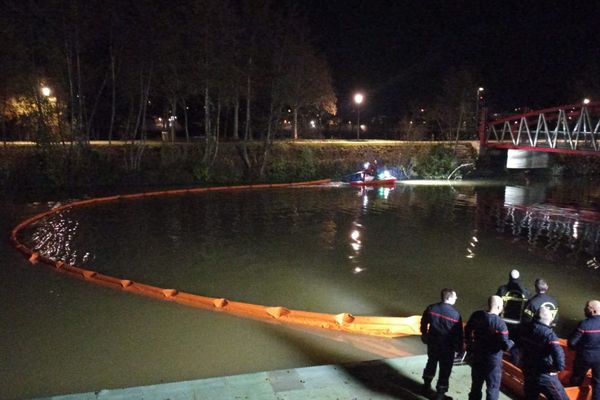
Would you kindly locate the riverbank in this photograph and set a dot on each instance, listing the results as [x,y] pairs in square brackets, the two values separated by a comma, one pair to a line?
[25,166]
[386,379]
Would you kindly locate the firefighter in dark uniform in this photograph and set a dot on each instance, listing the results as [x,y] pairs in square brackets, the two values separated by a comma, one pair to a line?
[442,331]
[543,358]
[486,336]
[585,340]
[541,298]
[514,284]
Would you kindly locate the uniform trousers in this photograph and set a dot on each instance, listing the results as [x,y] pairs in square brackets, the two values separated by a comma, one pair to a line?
[445,358]
[488,370]
[548,384]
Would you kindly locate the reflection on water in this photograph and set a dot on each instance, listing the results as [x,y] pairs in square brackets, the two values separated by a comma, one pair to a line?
[379,251]
[555,231]
[297,247]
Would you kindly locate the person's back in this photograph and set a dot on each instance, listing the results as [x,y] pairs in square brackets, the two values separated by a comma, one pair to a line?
[539,300]
[585,340]
[540,349]
[442,331]
[543,358]
[486,335]
[445,328]
[513,285]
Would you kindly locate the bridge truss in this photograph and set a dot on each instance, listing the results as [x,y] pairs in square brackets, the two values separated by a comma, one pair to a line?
[572,129]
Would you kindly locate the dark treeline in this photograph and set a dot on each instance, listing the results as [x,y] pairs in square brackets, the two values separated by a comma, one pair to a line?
[72,71]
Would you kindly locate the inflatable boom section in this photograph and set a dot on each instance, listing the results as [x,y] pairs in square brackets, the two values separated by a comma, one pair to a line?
[345,322]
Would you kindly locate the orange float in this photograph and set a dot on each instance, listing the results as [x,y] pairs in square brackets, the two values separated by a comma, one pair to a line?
[346,322]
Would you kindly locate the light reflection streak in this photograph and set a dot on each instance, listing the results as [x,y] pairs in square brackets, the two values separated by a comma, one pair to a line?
[472,245]
[54,236]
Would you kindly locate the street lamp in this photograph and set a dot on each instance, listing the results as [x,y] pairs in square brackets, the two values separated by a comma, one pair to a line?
[479,90]
[46,91]
[358,99]
[586,101]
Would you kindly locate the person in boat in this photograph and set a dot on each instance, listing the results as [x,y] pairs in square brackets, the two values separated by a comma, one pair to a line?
[514,295]
[543,358]
[514,285]
[370,171]
[486,337]
[540,299]
[585,340]
[442,332]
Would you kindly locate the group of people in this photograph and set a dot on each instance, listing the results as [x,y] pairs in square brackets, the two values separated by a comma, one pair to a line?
[485,338]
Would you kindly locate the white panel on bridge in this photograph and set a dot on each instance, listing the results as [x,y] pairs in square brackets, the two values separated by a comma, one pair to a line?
[522,159]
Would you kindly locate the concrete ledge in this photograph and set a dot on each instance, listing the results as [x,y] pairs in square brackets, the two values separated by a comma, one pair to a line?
[397,378]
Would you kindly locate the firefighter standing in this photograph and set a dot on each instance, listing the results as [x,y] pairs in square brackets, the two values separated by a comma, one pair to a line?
[586,341]
[540,299]
[442,331]
[543,358]
[486,336]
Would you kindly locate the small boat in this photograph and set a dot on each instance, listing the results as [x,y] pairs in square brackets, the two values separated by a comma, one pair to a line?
[512,377]
[374,182]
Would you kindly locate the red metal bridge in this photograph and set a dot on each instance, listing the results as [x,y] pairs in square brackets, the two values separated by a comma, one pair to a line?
[568,129]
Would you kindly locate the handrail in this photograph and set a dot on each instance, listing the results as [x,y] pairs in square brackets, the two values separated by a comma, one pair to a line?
[346,322]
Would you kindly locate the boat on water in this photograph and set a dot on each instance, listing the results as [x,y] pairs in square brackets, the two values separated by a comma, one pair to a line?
[374,182]
[512,377]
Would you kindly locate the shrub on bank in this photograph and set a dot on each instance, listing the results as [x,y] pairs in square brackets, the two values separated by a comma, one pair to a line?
[436,162]
[68,167]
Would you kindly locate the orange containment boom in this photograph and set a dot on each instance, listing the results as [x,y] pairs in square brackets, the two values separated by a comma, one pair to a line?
[346,322]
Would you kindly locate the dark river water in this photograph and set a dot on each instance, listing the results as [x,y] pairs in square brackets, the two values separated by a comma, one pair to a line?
[329,249]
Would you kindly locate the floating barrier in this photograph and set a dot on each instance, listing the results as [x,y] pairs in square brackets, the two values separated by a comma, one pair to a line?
[345,322]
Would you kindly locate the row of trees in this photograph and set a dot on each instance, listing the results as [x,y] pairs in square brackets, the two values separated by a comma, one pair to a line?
[217,66]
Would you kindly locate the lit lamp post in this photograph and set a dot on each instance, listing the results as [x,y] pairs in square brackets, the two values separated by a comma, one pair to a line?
[358,99]
[479,90]
[586,101]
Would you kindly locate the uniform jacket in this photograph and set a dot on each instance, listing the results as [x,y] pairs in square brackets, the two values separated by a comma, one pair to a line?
[533,305]
[513,285]
[442,327]
[585,339]
[486,336]
[541,350]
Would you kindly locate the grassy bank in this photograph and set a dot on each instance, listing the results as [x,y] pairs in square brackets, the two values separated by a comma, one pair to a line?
[25,166]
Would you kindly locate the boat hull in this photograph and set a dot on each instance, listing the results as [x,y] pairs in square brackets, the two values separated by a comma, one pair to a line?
[512,378]
[375,182]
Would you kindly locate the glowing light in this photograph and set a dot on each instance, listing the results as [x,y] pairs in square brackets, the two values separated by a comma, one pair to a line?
[358,270]
[358,98]
[363,127]
[593,263]
[313,124]
[385,174]
[586,101]
[355,235]
[384,192]
[46,91]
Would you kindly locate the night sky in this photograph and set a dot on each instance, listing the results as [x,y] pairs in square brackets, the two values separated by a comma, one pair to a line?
[525,53]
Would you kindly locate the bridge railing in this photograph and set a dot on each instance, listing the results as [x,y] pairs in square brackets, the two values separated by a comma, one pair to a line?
[569,128]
